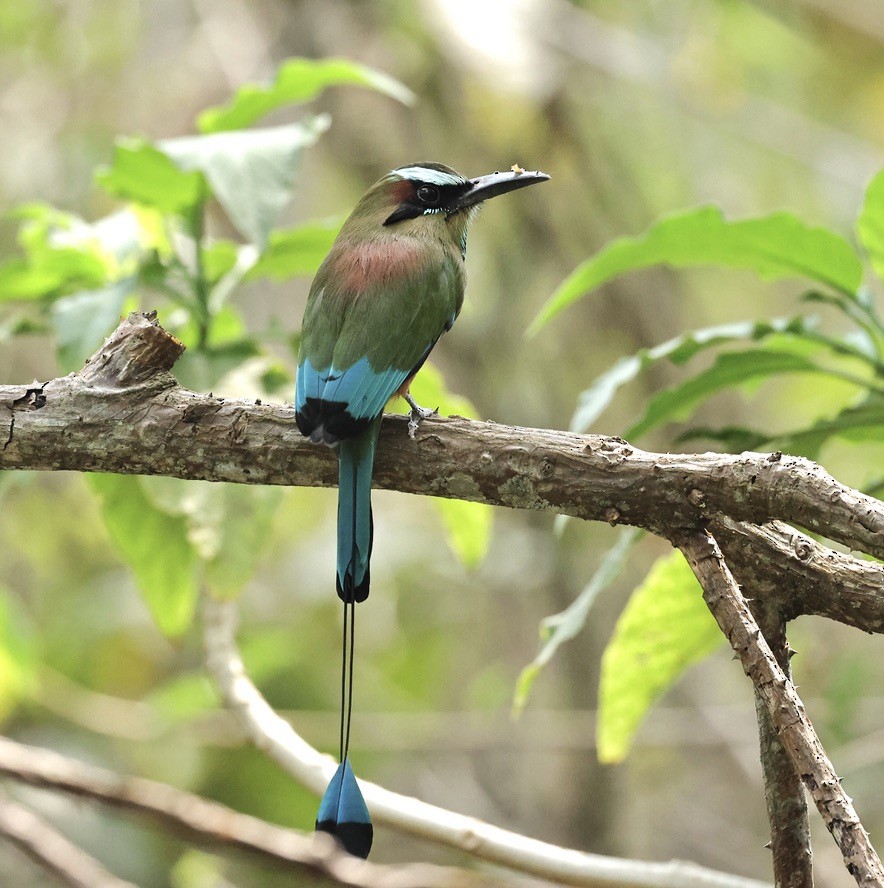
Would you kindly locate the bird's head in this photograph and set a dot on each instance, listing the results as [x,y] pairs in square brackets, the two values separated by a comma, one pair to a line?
[424,199]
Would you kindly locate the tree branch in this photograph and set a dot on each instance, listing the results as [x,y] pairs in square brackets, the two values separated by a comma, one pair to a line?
[275,737]
[207,823]
[70,865]
[124,412]
[783,789]
[795,731]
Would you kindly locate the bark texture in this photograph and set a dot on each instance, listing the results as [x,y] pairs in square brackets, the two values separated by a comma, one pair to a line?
[735,517]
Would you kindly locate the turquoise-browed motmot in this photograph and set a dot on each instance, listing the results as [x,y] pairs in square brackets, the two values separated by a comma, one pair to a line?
[392,284]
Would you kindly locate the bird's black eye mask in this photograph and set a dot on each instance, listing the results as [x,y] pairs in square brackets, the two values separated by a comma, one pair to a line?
[427,198]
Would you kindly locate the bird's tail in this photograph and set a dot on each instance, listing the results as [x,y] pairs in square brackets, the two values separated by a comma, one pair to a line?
[355,464]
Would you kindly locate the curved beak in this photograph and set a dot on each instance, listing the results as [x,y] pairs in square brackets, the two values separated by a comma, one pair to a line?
[484,187]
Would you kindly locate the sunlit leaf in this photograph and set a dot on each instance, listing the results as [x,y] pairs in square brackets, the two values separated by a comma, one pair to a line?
[294,251]
[566,625]
[154,544]
[19,280]
[775,247]
[664,628]
[728,370]
[467,524]
[870,224]
[62,255]
[593,400]
[252,173]
[297,80]
[144,174]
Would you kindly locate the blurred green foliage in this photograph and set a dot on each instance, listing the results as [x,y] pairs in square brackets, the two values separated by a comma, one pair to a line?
[637,110]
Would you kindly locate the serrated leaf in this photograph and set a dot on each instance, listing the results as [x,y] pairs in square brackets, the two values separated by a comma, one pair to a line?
[295,251]
[154,544]
[775,247]
[664,628]
[728,370]
[297,80]
[145,174]
[82,321]
[467,525]
[566,625]
[593,400]
[870,224]
[252,173]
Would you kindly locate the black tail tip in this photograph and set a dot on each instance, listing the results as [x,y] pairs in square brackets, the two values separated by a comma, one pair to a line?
[348,591]
[356,838]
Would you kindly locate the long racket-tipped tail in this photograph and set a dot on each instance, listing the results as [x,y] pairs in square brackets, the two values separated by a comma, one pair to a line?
[355,465]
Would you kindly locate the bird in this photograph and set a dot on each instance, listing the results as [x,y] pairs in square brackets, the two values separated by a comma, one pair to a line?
[391,285]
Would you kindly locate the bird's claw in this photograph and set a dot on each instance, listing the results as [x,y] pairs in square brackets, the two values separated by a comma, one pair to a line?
[417,416]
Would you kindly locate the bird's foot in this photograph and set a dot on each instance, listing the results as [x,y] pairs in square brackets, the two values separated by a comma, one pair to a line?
[418,415]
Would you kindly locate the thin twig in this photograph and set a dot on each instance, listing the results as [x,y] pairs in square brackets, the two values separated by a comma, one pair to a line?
[69,864]
[796,733]
[210,824]
[277,739]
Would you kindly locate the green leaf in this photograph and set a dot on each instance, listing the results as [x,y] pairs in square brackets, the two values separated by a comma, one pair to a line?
[734,439]
[566,625]
[146,175]
[83,320]
[870,224]
[775,247]
[62,254]
[859,423]
[664,628]
[184,697]
[467,524]
[728,370]
[226,525]
[467,528]
[240,536]
[252,173]
[297,80]
[296,251]
[219,257]
[20,280]
[593,400]
[154,544]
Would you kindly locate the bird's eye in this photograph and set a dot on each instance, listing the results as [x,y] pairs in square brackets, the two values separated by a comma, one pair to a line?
[428,194]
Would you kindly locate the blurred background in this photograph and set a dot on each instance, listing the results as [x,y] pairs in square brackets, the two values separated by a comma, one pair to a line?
[635,110]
